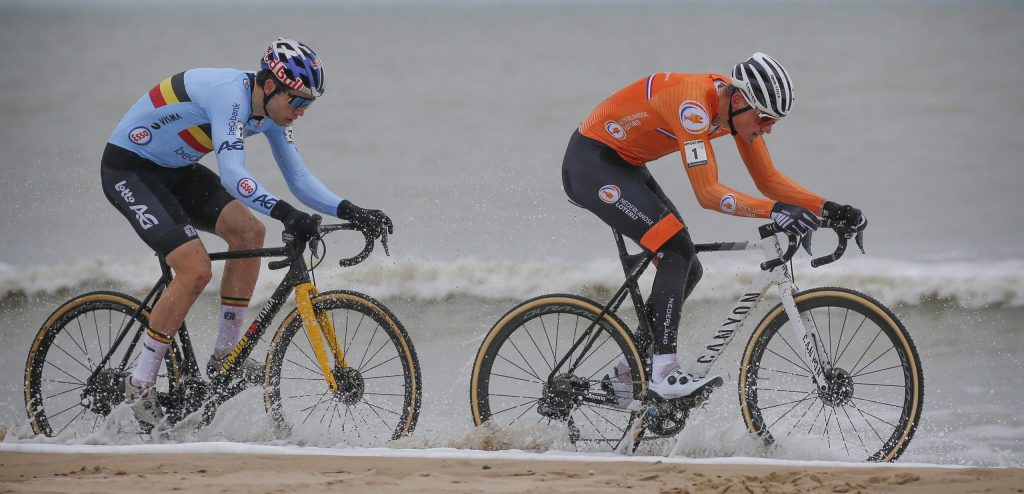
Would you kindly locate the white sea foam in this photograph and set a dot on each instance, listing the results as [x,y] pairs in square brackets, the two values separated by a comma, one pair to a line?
[968,284]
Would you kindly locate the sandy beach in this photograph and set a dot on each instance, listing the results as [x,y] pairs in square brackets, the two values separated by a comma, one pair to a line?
[230,473]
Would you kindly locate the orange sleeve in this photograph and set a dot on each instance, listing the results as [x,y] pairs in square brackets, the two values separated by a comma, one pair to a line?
[770,181]
[694,101]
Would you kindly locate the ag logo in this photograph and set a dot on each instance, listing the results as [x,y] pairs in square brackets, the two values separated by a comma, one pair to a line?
[146,220]
[238,145]
[728,204]
[140,136]
[694,117]
[247,187]
[615,130]
[609,194]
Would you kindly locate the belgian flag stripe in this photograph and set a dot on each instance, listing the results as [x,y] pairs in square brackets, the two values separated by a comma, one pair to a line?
[197,139]
[170,91]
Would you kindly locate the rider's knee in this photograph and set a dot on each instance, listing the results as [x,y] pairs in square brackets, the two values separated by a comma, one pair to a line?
[195,277]
[192,267]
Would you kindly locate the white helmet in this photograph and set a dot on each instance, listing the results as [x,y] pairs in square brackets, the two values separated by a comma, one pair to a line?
[764,84]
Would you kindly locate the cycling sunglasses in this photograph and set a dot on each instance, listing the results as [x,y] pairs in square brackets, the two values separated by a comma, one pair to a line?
[760,119]
[297,102]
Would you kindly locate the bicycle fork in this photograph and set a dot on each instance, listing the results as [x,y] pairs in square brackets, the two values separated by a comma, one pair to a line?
[806,332]
[319,327]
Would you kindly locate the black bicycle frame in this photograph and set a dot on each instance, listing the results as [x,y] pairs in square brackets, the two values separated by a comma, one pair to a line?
[296,275]
[633,266]
[637,263]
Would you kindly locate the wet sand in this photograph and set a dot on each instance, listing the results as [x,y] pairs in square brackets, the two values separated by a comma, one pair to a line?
[232,473]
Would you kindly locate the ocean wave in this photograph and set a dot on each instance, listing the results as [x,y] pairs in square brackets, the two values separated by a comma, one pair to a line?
[976,284]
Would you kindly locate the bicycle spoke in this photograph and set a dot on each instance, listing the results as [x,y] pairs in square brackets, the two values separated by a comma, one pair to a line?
[860,374]
[852,337]
[794,364]
[66,373]
[594,351]
[99,341]
[364,371]
[533,372]
[868,422]
[72,357]
[803,365]
[891,349]
[855,431]
[311,371]
[73,405]
[881,385]
[501,395]
[531,381]
[312,408]
[795,403]
[73,419]
[879,403]
[81,333]
[62,392]
[367,393]
[367,349]
[547,336]
[783,372]
[383,377]
[380,349]
[534,341]
[528,403]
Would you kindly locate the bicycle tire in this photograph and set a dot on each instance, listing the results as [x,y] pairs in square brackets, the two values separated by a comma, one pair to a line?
[876,407]
[74,331]
[297,397]
[506,385]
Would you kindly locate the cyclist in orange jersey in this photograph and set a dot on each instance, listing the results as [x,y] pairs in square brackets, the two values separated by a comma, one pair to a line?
[605,172]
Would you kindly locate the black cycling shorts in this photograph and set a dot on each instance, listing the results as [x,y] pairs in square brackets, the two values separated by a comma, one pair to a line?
[624,196]
[164,205]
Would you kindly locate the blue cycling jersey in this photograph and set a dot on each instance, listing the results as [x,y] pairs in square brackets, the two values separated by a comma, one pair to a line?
[199,111]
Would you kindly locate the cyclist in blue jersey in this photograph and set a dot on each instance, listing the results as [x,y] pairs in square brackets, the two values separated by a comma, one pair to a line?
[151,174]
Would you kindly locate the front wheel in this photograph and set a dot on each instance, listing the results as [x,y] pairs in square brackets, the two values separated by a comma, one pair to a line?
[872,403]
[517,383]
[379,390]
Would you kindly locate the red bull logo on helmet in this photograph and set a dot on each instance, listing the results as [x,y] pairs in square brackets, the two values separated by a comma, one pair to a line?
[280,71]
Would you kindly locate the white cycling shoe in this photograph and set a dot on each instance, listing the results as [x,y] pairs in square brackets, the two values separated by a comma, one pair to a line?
[678,384]
[145,406]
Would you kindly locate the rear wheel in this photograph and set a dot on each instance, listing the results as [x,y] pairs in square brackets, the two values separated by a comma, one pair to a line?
[875,385]
[379,390]
[64,393]
[510,386]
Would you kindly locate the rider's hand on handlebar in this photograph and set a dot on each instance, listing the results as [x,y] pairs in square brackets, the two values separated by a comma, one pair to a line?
[795,219]
[373,221]
[301,223]
[847,220]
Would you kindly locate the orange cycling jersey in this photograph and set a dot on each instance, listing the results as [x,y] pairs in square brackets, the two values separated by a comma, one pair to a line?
[668,112]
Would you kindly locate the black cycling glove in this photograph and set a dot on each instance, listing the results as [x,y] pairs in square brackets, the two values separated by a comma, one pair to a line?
[373,221]
[295,221]
[794,219]
[847,220]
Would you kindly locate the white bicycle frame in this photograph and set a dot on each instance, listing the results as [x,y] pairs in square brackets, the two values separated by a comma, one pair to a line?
[803,326]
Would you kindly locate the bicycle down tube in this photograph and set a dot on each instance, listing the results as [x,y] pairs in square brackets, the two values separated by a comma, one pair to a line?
[805,330]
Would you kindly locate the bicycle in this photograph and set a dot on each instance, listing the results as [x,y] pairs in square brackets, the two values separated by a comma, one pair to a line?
[846,374]
[340,367]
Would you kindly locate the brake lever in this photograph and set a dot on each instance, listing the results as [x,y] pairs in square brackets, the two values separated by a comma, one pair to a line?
[859,238]
[805,241]
[313,247]
[384,243]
